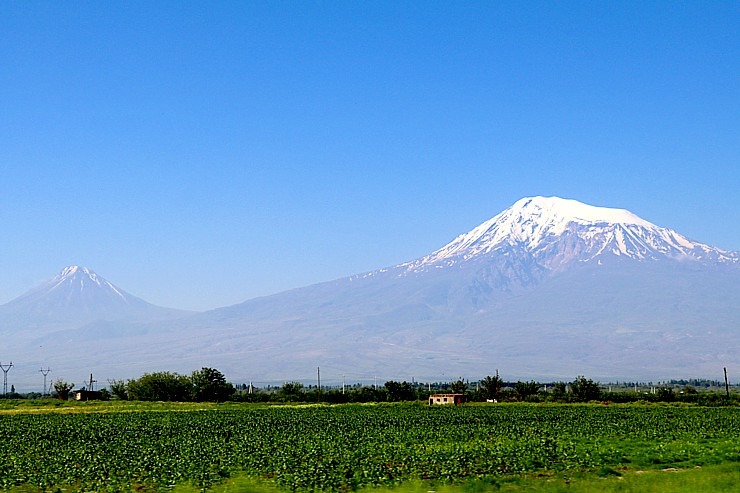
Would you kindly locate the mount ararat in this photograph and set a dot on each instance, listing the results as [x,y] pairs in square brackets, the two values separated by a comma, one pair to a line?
[548,289]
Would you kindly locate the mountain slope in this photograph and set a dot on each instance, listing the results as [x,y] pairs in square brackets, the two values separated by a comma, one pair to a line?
[548,287]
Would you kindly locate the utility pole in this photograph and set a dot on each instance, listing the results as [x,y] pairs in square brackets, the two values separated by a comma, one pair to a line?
[342,384]
[727,385]
[6,369]
[318,375]
[90,387]
[44,372]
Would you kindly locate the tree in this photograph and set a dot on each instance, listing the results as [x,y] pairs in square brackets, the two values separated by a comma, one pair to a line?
[62,389]
[119,389]
[559,391]
[524,390]
[210,385]
[584,389]
[160,386]
[666,394]
[291,391]
[490,387]
[459,387]
[364,394]
[399,391]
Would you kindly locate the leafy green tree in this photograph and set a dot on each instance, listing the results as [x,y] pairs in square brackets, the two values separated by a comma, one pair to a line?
[292,391]
[365,394]
[459,387]
[559,391]
[666,394]
[119,389]
[160,386]
[490,387]
[399,391]
[210,385]
[62,389]
[584,389]
[525,390]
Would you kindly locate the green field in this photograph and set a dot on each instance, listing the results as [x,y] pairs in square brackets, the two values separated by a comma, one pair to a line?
[340,448]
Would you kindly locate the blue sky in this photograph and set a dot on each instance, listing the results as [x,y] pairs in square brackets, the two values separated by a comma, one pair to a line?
[198,154]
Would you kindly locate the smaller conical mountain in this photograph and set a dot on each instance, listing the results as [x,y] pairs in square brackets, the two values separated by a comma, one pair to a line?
[74,297]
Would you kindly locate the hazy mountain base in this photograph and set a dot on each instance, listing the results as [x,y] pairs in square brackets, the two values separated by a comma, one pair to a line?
[614,321]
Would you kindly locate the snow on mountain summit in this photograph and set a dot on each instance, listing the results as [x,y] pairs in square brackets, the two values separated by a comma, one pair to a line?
[558,210]
[78,288]
[75,275]
[75,296]
[554,232]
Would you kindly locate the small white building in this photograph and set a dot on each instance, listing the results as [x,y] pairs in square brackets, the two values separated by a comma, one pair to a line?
[451,399]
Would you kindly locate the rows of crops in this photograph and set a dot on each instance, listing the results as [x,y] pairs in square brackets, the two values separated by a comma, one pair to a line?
[347,447]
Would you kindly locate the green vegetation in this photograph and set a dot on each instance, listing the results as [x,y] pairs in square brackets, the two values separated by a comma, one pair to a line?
[341,448]
[493,388]
[63,388]
[710,479]
[206,384]
[209,385]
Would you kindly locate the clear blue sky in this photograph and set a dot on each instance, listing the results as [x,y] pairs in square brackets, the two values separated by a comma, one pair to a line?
[198,154]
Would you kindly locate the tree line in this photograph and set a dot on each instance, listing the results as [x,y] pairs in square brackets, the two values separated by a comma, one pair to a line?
[210,385]
[489,389]
[204,385]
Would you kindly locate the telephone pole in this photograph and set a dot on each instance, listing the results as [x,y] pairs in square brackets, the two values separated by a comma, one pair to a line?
[6,369]
[44,372]
[727,385]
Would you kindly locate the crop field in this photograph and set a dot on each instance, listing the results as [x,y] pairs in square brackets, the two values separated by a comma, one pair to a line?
[342,448]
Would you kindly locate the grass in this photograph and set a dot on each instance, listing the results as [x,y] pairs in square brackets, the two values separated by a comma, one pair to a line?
[30,406]
[718,478]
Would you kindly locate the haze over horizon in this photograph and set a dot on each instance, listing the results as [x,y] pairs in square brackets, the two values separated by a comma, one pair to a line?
[200,156]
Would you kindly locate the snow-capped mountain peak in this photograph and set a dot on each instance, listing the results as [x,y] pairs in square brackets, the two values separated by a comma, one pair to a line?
[532,219]
[75,275]
[555,232]
[77,295]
